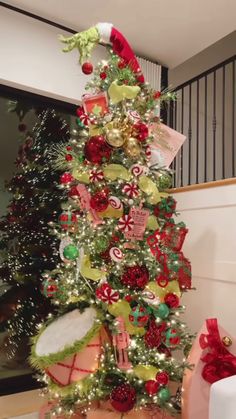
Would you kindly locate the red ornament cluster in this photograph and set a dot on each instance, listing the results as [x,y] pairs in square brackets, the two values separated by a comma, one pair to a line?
[96,150]
[123,398]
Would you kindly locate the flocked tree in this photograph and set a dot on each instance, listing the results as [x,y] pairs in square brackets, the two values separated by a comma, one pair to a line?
[27,247]
[122,271]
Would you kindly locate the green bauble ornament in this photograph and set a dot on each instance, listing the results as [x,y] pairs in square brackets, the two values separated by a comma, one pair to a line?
[139,316]
[70,252]
[101,244]
[164,394]
[164,181]
[162,311]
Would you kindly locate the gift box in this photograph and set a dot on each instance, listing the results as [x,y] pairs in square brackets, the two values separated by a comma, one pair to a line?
[96,104]
[207,356]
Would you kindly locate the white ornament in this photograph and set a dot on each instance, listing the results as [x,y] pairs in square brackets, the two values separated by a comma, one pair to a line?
[157,159]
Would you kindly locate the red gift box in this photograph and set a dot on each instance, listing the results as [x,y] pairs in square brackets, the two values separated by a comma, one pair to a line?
[96,104]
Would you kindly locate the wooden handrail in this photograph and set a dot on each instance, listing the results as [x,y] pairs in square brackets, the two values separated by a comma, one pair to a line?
[206,185]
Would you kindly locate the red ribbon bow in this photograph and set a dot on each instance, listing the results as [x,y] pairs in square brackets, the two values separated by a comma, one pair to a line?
[220,363]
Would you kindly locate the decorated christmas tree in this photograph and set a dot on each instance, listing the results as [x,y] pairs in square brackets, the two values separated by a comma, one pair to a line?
[110,346]
[27,247]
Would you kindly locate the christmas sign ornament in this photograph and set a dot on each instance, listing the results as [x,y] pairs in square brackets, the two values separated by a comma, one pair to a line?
[73,355]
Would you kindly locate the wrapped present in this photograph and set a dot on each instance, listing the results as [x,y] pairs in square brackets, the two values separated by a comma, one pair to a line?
[212,361]
[73,355]
[95,104]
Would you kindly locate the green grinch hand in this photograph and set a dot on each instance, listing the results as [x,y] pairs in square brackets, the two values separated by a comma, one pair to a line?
[84,41]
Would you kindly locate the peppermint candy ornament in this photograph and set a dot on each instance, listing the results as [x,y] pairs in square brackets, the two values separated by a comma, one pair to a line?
[131,190]
[126,223]
[84,118]
[115,202]
[138,170]
[133,116]
[106,294]
[150,298]
[116,254]
[96,175]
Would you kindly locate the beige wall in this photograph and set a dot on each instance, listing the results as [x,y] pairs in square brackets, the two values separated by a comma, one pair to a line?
[206,59]
[210,245]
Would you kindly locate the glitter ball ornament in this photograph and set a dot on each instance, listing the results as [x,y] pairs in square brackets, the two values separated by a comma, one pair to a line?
[103,75]
[164,181]
[68,157]
[151,387]
[87,68]
[135,277]
[67,220]
[101,244]
[49,287]
[115,138]
[139,316]
[162,378]
[71,252]
[66,178]
[140,131]
[153,337]
[164,394]
[123,398]
[99,201]
[162,311]
[96,150]
[132,147]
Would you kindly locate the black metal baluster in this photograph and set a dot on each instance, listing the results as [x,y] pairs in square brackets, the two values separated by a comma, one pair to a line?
[182,130]
[223,123]
[189,134]
[214,125]
[233,122]
[197,133]
[205,133]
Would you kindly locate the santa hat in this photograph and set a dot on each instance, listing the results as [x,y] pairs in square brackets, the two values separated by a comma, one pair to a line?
[105,33]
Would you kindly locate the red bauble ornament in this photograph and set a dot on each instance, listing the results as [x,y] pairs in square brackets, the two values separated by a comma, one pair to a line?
[68,157]
[162,378]
[121,64]
[87,68]
[151,387]
[172,300]
[123,398]
[141,131]
[96,150]
[99,201]
[66,178]
[140,79]
[157,94]
[103,75]
[135,277]
[73,192]
[69,148]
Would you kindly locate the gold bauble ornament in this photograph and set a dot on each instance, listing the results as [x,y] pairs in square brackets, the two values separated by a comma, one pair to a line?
[132,147]
[115,137]
[227,341]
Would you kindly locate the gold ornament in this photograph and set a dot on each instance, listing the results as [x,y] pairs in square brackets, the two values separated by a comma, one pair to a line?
[227,341]
[115,137]
[132,147]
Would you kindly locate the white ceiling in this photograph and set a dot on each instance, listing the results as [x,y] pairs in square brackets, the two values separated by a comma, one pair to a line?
[168,31]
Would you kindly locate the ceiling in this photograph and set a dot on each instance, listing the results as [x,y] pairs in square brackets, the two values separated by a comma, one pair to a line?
[167,31]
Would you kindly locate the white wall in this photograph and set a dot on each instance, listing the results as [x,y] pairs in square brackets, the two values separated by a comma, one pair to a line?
[210,245]
[32,58]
